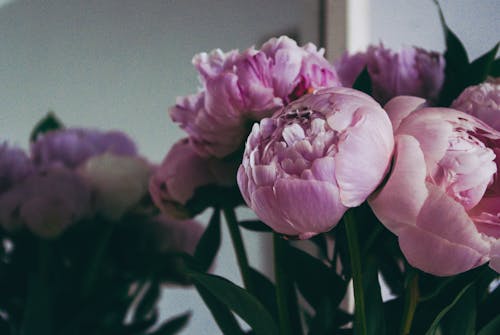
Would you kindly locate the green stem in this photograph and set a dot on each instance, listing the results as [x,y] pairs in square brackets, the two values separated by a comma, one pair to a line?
[355,257]
[239,248]
[411,300]
[285,291]
[94,268]
[38,314]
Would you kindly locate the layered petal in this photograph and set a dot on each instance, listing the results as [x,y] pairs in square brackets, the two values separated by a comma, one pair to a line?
[323,153]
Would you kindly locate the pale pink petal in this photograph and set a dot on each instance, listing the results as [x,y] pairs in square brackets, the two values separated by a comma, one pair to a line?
[400,107]
[399,201]
[436,255]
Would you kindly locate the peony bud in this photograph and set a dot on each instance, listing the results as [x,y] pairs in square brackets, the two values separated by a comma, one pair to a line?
[182,172]
[411,71]
[481,101]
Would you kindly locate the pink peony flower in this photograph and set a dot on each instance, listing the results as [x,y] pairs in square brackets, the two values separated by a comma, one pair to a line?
[481,101]
[411,71]
[46,203]
[238,89]
[183,171]
[442,198]
[320,155]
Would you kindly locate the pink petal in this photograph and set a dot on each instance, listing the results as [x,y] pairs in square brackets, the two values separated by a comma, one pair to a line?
[398,203]
[400,107]
[436,255]
[267,208]
[311,206]
[364,152]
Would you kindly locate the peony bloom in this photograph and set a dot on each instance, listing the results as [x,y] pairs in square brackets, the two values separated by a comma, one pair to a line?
[320,155]
[240,88]
[71,147]
[481,101]
[182,172]
[411,71]
[118,182]
[47,203]
[172,236]
[442,198]
[14,167]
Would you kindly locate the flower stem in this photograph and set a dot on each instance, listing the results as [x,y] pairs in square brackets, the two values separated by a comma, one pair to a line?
[411,300]
[355,257]
[38,314]
[93,270]
[239,248]
[285,292]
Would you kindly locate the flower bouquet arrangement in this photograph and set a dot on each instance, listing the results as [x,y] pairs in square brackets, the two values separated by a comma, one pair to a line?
[83,250]
[379,170]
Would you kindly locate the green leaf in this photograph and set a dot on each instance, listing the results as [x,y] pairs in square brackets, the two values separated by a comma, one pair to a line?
[255,225]
[491,328]
[265,291]
[209,243]
[148,301]
[495,68]
[461,319]
[320,242]
[314,278]
[238,300]
[49,123]
[479,70]
[374,306]
[434,326]
[363,82]
[457,54]
[457,62]
[221,313]
[173,325]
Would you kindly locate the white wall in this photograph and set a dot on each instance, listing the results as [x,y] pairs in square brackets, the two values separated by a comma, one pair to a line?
[120,64]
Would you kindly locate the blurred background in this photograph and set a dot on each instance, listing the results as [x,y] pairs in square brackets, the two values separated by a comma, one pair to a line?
[119,64]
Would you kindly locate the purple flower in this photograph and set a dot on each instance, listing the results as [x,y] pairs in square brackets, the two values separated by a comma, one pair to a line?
[238,89]
[411,71]
[481,101]
[14,166]
[46,202]
[320,155]
[182,172]
[442,197]
[71,147]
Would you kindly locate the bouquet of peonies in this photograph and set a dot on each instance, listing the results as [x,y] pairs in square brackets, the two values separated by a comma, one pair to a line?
[381,168]
[82,250]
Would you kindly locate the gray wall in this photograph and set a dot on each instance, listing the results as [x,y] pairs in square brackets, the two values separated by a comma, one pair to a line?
[121,63]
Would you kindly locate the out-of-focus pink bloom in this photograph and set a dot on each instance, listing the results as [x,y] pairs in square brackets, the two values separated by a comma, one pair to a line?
[183,171]
[46,202]
[173,235]
[14,166]
[411,71]
[320,155]
[118,182]
[71,147]
[481,101]
[442,198]
[238,89]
